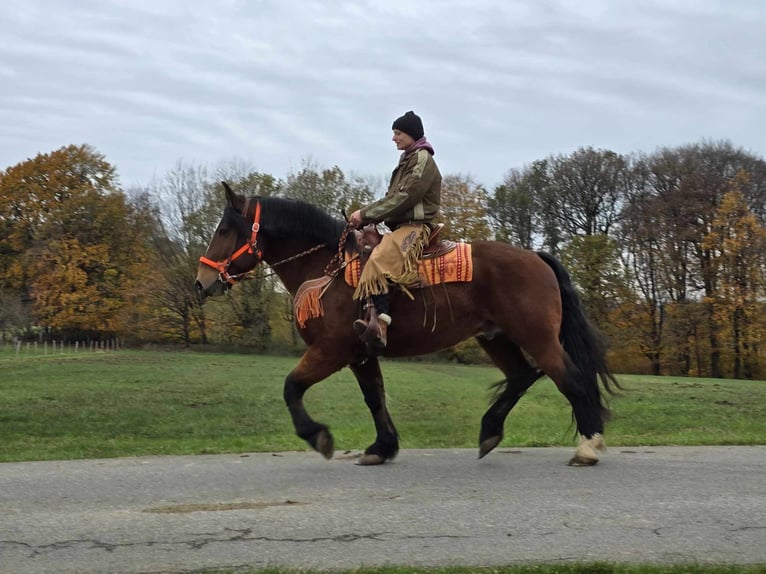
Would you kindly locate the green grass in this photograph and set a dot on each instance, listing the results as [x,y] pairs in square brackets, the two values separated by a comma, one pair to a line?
[124,403]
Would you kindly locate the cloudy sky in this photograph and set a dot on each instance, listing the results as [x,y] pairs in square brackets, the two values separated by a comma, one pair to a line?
[273,83]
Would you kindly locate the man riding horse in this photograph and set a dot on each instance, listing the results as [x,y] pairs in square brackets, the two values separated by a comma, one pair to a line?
[409,206]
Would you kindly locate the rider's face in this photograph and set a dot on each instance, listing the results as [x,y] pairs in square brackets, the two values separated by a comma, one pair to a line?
[402,140]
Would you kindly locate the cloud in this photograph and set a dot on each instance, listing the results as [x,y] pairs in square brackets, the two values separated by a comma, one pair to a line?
[498,83]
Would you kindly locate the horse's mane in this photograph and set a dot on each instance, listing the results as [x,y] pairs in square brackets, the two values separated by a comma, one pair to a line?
[283,218]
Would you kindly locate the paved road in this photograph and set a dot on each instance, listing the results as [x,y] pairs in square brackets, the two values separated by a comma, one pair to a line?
[428,508]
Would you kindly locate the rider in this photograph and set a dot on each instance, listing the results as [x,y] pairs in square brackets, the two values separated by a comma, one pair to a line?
[412,201]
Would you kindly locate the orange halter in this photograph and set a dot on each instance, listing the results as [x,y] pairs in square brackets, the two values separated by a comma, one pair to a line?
[249,247]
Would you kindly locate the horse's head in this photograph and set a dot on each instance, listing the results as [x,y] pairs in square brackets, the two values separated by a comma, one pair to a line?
[233,251]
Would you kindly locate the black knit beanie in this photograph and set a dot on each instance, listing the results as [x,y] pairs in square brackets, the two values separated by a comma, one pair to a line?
[410,124]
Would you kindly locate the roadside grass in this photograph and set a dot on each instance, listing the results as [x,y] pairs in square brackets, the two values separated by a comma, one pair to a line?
[134,403]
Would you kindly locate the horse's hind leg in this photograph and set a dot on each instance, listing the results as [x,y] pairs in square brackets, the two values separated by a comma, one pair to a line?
[519,377]
[314,366]
[386,444]
[577,387]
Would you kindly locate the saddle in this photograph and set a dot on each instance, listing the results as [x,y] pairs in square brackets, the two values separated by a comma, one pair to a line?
[442,261]
[369,237]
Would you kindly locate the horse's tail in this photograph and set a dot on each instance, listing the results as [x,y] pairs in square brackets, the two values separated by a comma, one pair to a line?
[582,342]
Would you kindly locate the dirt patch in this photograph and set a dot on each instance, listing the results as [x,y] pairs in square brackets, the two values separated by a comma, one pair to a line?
[219,506]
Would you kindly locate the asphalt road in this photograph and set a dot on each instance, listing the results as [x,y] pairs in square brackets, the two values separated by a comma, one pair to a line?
[427,508]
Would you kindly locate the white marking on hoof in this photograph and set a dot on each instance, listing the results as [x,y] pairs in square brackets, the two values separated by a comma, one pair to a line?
[585,454]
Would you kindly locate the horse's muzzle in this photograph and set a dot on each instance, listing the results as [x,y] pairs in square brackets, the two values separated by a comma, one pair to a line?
[212,290]
[200,289]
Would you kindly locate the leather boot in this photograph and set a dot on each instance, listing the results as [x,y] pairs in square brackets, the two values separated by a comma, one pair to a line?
[366,329]
[381,339]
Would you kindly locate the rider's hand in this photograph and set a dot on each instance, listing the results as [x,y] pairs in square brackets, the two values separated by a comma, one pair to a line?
[355,219]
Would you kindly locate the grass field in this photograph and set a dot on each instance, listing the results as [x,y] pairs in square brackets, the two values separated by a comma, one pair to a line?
[124,403]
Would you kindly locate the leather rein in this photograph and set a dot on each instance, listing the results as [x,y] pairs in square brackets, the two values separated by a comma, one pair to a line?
[251,247]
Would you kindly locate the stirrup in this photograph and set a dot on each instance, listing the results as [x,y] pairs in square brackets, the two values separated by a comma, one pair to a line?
[367,329]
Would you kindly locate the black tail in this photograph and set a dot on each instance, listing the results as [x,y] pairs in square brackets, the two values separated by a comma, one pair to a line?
[582,342]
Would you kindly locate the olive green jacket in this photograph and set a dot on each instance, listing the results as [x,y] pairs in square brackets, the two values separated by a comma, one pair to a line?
[414,193]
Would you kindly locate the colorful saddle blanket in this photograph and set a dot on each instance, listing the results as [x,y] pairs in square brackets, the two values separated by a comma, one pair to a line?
[453,267]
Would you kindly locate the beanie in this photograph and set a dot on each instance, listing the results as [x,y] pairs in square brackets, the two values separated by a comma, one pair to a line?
[410,124]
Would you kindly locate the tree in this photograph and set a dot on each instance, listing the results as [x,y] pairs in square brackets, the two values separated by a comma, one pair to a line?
[13,319]
[674,194]
[33,192]
[191,203]
[76,288]
[190,210]
[328,189]
[589,186]
[594,263]
[514,206]
[463,209]
[738,241]
[642,317]
[72,240]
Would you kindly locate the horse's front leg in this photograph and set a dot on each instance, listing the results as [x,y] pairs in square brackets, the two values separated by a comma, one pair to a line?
[386,444]
[314,366]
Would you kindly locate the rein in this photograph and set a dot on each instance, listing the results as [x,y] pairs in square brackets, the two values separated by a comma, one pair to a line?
[252,248]
[336,262]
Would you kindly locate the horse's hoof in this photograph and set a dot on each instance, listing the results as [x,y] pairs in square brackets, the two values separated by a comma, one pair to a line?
[370,460]
[578,460]
[325,445]
[487,445]
[586,455]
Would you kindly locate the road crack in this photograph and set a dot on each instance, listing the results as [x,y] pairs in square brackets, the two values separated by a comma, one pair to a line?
[228,535]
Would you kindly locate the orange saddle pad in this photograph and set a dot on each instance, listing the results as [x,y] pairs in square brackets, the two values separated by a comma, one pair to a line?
[453,267]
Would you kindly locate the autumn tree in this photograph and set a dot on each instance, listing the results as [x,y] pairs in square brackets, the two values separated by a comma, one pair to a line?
[738,241]
[32,192]
[13,319]
[674,195]
[641,317]
[463,209]
[595,265]
[70,243]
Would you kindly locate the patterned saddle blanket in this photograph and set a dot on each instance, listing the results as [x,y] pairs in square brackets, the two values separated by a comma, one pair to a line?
[453,267]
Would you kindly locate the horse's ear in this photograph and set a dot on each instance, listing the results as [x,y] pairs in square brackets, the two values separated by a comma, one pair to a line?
[232,199]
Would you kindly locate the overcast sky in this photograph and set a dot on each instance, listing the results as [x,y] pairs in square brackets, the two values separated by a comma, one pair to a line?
[498,83]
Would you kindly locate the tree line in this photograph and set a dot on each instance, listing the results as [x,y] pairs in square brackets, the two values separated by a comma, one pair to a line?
[667,249]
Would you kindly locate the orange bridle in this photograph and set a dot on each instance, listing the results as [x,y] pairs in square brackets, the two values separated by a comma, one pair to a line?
[249,247]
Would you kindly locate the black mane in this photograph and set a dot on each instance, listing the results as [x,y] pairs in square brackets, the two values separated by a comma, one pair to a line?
[290,218]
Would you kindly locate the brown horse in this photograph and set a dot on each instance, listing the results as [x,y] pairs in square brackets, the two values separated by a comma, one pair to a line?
[519,305]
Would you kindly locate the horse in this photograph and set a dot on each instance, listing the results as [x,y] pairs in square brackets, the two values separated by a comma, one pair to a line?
[520,305]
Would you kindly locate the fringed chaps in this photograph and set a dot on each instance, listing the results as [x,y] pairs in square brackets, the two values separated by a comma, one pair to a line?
[395,260]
